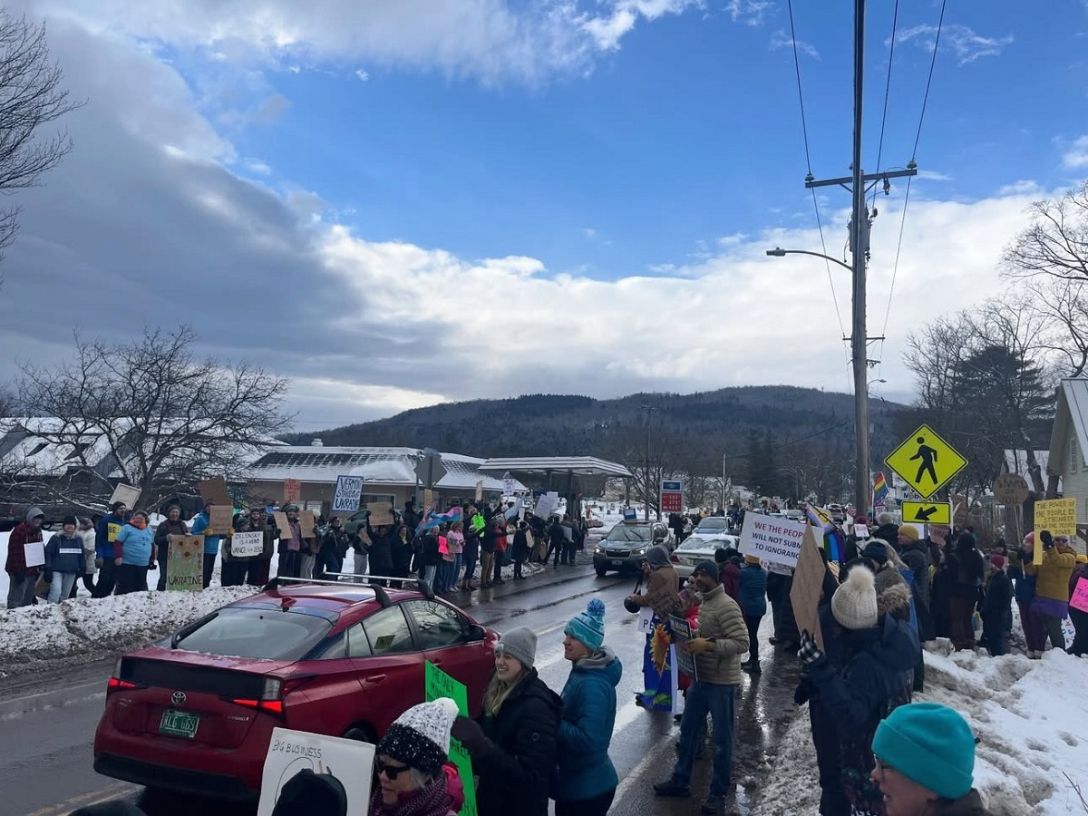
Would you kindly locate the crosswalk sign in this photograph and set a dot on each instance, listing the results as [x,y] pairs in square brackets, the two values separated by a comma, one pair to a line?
[927,512]
[926,462]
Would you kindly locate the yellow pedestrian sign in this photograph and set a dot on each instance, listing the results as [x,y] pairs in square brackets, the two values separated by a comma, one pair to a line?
[927,512]
[926,462]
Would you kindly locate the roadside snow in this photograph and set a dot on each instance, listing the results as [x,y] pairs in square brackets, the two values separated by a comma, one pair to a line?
[1028,715]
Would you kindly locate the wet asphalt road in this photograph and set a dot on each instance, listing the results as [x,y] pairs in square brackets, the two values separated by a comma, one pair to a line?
[47,732]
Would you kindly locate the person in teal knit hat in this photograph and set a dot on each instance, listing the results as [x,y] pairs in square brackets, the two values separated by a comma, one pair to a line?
[925,762]
[586,782]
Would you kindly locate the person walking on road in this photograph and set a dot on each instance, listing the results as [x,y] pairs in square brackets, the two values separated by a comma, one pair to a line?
[133,554]
[105,534]
[513,746]
[721,642]
[64,560]
[587,779]
[753,603]
[21,578]
[171,525]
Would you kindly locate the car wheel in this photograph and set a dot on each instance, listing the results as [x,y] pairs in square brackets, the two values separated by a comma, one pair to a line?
[601,571]
[361,733]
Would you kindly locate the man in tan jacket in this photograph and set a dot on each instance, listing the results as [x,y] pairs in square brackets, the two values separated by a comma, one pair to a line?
[721,644]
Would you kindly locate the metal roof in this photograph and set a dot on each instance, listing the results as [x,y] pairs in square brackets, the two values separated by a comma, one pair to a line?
[1071,417]
[578,465]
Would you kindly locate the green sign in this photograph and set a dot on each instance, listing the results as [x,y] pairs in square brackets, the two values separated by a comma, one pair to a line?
[436,683]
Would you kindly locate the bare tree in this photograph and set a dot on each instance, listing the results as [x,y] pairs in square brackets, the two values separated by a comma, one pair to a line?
[1056,243]
[30,96]
[163,418]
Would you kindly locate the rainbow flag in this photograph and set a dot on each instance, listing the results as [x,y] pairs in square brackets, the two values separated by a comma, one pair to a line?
[834,540]
[880,490]
[433,519]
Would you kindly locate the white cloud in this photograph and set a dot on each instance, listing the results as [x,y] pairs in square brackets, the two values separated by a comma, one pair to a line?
[749,12]
[362,75]
[1076,157]
[257,166]
[933,175]
[964,42]
[589,232]
[780,39]
[609,30]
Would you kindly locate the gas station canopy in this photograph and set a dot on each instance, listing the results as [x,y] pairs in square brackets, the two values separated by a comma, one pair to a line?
[544,465]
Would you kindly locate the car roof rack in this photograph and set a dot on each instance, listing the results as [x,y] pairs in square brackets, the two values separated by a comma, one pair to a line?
[379,592]
[406,583]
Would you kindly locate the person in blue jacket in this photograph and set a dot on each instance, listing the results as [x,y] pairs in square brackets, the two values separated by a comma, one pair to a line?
[133,551]
[587,780]
[753,603]
[64,560]
[211,542]
[105,533]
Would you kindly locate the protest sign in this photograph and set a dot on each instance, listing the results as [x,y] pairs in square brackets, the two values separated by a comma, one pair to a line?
[479,490]
[214,490]
[861,531]
[436,683]
[348,491]
[290,752]
[307,523]
[508,484]
[1080,596]
[220,520]
[808,582]
[292,490]
[125,493]
[681,634]
[546,505]
[380,515]
[283,523]
[247,545]
[34,552]
[1059,516]
[777,540]
[428,501]
[185,566]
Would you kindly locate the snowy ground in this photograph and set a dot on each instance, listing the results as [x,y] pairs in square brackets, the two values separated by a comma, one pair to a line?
[1029,716]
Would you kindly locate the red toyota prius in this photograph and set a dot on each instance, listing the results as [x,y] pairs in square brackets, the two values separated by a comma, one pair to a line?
[195,712]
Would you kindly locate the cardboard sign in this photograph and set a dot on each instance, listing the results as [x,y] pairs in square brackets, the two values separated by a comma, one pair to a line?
[436,683]
[681,633]
[289,752]
[381,516]
[861,531]
[247,545]
[307,523]
[546,505]
[214,490]
[428,501]
[34,552]
[125,493]
[185,567]
[1059,516]
[220,520]
[283,523]
[1080,595]
[808,582]
[777,540]
[292,491]
[349,489]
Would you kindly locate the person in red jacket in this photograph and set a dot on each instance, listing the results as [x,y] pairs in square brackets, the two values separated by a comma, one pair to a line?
[21,578]
[728,561]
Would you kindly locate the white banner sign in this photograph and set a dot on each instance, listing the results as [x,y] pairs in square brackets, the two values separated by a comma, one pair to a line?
[125,493]
[291,752]
[546,505]
[247,545]
[507,484]
[348,491]
[34,551]
[776,540]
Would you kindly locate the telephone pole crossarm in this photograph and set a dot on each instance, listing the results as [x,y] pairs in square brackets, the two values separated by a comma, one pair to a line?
[843,182]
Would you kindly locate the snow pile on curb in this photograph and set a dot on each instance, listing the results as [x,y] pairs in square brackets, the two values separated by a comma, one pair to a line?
[1028,715]
[93,628]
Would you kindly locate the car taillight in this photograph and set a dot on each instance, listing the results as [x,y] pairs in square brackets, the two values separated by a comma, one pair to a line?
[272,696]
[674,558]
[117,684]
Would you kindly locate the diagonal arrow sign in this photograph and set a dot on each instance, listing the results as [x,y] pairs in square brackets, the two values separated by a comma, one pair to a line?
[923,515]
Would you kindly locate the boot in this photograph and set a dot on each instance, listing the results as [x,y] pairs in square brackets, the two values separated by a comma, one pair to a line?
[752,667]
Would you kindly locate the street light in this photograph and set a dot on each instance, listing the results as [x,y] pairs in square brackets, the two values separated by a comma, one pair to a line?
[778,252]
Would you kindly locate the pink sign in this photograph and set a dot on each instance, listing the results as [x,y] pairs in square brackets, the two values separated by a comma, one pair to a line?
[1080,596]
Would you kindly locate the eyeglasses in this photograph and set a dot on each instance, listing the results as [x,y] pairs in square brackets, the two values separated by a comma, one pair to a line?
[391,771]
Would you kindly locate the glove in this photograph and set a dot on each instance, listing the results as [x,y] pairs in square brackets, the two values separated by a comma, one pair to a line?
[1048,539]
[98,563]
[47,576]
[803,693]
[469,734]
[809,653]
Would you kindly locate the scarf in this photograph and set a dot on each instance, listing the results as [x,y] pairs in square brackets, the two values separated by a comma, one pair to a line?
[433,800]
[139,523]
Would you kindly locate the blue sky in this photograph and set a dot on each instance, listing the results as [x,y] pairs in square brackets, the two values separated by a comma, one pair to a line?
[592,181]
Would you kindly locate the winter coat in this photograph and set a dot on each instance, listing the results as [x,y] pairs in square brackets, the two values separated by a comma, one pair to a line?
[1052,576]
[134,546]
[753,591]
[168,528]
[23,534]
[887,532]
[104,535]
[968,805]
[521,546]
[64,554]
[720,619]
[431,556]
[211,543]
[556,536]
[916,556]
[88,537]
[589,714]
[401,552]
[381,549]
[1079,571]
[1024,585]
[729,576]
[516,764]
[488,539]
[966,571]
[662,592]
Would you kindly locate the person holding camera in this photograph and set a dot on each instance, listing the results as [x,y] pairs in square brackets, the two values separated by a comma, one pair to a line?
[1051,601]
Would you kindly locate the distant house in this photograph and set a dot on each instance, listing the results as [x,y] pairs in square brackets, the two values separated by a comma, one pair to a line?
[1069,442]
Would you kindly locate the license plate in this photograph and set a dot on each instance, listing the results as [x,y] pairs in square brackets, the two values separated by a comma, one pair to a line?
[179,723]
[617,563]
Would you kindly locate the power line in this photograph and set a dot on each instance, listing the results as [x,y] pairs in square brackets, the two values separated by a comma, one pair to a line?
[887,93]
[929,81]
[800,95]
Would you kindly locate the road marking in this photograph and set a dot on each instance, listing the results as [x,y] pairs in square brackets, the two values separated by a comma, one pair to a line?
[84,799]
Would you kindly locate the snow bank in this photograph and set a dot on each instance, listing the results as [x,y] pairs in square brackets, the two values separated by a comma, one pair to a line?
[1030,717]
[89,629]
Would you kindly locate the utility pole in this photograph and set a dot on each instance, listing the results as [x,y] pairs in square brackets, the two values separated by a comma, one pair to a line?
[646,497]
[859,249]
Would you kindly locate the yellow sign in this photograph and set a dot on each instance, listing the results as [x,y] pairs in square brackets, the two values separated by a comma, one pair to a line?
[1059,517]
[926,462]
[927,512]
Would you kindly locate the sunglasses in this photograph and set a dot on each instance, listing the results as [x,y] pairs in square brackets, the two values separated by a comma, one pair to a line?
[391,771]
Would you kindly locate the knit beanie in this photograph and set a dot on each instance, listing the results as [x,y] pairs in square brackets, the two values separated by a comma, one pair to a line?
[909,532]
[520,644]
[420,737]
[854,602]
[588,627]
[708,568]
[998,561]
[657,557]
[70,520]
[930,744]
[876,550]
[315,794]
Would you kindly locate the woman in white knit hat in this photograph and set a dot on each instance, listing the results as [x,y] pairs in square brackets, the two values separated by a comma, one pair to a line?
[866,673]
